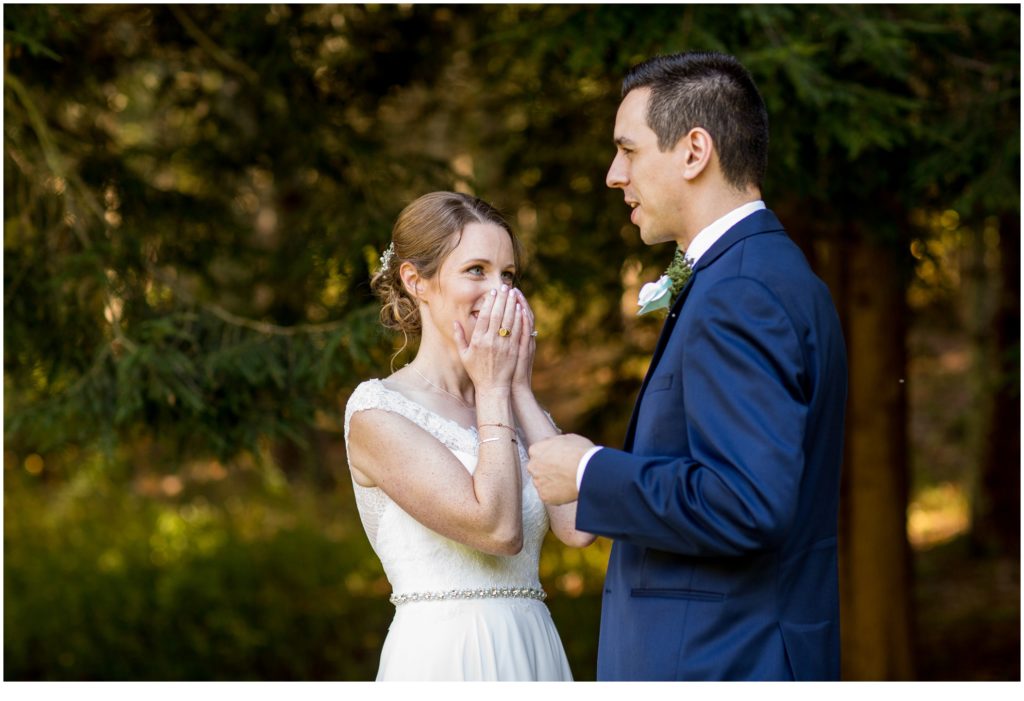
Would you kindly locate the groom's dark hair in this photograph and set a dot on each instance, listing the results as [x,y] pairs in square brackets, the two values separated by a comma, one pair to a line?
[713,91]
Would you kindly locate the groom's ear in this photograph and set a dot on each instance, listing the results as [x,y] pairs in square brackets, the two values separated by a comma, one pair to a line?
[697,147]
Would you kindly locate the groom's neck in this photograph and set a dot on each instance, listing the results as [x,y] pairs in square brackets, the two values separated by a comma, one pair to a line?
[711,205]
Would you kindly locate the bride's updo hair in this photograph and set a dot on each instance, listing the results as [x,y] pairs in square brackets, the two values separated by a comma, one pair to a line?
[425,233]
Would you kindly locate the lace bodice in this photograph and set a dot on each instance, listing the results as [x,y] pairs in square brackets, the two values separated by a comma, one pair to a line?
[415,558]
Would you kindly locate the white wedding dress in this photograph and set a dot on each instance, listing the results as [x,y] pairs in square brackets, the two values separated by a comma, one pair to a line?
[460,614]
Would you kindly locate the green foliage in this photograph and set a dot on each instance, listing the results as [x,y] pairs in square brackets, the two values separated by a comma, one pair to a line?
[210,385]
[195,196]
[269,583]
[182,246]
[105,584]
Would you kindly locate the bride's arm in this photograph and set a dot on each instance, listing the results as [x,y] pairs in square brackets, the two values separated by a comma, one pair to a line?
[482,510]
[536,426]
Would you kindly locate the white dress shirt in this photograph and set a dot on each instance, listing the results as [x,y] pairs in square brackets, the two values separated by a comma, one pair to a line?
[704,240]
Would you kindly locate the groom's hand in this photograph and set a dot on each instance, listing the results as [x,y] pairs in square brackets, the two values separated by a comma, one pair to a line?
[553,464]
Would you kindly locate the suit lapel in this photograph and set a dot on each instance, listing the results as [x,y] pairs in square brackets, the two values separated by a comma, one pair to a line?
[666,333]
[760,222]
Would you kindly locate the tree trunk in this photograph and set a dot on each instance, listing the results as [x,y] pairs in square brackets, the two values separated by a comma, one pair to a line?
[875,570]
[996,510]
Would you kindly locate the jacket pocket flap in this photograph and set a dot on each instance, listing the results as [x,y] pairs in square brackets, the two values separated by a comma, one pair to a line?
[690,594]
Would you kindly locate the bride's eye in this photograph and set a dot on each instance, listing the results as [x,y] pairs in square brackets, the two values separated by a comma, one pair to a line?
[508,277]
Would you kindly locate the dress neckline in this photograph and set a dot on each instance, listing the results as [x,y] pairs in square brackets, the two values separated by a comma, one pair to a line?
[445,419]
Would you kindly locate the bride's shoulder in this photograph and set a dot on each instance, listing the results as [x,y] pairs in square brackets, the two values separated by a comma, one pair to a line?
[366,386]
[362,405]
[376,394]
[375,412]
[366,395]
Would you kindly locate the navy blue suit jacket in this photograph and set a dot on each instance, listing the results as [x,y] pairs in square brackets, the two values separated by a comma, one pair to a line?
[723,504]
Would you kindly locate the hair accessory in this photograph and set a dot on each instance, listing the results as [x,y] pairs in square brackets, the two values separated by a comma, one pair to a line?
[385,259]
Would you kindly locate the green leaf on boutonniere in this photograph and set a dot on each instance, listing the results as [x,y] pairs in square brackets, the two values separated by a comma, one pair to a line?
[679,271]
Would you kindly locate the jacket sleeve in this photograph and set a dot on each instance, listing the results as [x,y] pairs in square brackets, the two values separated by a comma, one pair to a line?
[736,491]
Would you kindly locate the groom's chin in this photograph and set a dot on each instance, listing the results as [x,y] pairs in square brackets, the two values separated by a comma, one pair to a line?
[652,239]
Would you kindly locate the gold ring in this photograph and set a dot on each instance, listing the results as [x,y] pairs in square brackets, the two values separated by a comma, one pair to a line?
[504,332]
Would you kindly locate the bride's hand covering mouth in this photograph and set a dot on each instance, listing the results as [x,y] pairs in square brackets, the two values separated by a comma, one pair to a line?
[491,352]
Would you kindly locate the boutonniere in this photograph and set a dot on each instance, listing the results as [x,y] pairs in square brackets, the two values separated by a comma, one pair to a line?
[661,294]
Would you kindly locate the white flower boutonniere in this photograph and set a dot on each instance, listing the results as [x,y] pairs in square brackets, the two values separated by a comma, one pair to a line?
[661,294]
[655,295]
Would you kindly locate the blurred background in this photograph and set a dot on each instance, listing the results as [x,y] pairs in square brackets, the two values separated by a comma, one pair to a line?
[195,197]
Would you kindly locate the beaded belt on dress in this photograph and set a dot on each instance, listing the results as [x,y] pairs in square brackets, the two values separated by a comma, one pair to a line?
[455,594]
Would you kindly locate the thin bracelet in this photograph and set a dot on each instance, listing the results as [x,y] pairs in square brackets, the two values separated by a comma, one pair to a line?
[499,426]
[491,440]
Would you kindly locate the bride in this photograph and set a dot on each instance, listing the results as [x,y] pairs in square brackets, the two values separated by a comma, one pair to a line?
[438,451]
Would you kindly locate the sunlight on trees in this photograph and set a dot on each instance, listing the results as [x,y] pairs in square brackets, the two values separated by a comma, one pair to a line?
[937,515]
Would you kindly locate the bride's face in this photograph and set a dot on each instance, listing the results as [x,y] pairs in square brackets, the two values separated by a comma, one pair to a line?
[482,261]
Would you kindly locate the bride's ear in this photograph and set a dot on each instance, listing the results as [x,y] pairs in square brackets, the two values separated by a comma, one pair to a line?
[411,280]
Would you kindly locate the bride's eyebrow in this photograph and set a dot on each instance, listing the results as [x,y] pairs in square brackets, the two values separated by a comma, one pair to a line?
[484,261]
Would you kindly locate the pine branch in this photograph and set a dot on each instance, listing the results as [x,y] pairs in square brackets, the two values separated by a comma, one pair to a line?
[227,317]
[216,53]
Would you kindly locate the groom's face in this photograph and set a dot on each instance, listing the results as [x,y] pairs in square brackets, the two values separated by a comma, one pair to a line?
[650,179]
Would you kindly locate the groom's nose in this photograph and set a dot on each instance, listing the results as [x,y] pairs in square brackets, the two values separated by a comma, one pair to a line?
[617,172]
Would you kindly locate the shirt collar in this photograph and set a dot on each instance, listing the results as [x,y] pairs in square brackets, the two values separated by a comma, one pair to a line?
[707,236]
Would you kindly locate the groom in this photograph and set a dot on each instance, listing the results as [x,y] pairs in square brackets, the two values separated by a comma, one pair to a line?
[723,503]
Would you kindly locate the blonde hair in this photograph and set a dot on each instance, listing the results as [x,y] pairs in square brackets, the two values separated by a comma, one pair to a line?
[425,233]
